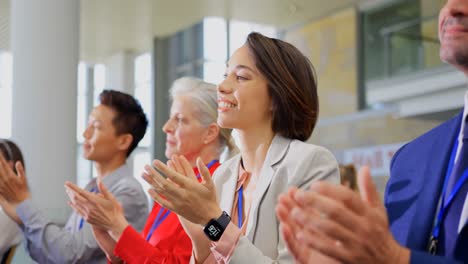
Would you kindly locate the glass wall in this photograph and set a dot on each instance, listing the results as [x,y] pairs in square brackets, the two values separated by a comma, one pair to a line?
[398,39]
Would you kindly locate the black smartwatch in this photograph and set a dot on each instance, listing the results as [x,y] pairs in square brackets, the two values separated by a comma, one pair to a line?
[215,227]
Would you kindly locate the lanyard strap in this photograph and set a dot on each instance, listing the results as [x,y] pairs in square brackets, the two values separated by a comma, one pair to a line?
[445,204]
[80,226]
[157,222]
[240,207]
[213,162]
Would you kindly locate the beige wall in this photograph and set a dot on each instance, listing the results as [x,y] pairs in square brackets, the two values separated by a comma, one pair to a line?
[371,131]
[330,44]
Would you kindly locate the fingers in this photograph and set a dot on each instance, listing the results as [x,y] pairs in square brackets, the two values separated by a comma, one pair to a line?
[160,186]
[172,175]
[160,200]
[3,166]
[367,188]
[5,169]
[204,172]
[78,209]
[147,175]
[302,252]
[75,197]
[334,210]
[316,223]
[106,194]
[176,165]
[284,206]
[339,193]
[157,181]
[72,188]
[20,171]
[320,246]
[3,201]
[289,238]
[187,167]
[79,195]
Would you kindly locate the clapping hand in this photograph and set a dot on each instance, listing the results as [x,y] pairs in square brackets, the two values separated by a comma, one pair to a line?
[101,210]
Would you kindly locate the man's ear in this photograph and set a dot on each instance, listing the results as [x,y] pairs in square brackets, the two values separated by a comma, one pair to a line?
[212,133]
[124,141]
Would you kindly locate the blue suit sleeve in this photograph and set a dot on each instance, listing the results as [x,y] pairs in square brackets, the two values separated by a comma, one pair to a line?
[419,257]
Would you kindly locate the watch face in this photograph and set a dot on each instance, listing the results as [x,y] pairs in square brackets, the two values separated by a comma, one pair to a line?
[213,230]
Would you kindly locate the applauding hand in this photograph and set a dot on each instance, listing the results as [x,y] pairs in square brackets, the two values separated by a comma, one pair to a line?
[336,223]
[13,188]
[181,192]
[100,210]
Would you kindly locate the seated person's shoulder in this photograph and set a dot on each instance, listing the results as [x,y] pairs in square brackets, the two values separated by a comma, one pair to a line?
[305,162]
[300,151]
[425,141]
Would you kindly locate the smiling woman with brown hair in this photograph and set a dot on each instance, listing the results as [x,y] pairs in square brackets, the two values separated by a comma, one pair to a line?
[269,96]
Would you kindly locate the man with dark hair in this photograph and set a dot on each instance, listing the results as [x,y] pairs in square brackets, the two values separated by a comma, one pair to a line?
[129,119]
[114,129]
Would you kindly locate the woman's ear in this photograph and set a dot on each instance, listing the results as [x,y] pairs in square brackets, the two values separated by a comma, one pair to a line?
[212,133]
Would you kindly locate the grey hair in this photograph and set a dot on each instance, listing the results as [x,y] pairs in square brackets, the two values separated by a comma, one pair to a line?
[206,102]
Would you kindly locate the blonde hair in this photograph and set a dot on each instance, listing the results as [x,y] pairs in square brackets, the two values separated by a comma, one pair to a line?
[204,96]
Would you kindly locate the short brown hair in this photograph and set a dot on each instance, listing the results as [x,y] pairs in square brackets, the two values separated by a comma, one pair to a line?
[130,117]
[11,152]
[291,84]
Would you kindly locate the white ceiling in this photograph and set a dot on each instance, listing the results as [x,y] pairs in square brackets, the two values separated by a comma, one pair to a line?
[111,26]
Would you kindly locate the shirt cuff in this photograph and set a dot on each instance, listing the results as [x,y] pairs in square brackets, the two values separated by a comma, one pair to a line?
[26,211]
[223,249]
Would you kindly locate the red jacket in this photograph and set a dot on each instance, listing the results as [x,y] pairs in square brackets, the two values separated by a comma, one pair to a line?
[168,244]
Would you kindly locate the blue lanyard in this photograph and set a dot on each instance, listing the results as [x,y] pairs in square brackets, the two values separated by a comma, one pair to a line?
[445,204]
[208,166]
[93,190]
[159,220]
[240,207]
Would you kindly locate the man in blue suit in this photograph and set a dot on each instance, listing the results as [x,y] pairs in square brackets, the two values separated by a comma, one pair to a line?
[426,203]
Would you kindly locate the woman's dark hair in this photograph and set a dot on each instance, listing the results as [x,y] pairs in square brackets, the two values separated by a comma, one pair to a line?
[292,85]
[11,152]
[130,117]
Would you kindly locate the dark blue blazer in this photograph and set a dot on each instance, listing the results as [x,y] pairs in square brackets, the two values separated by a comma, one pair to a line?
[417,174]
